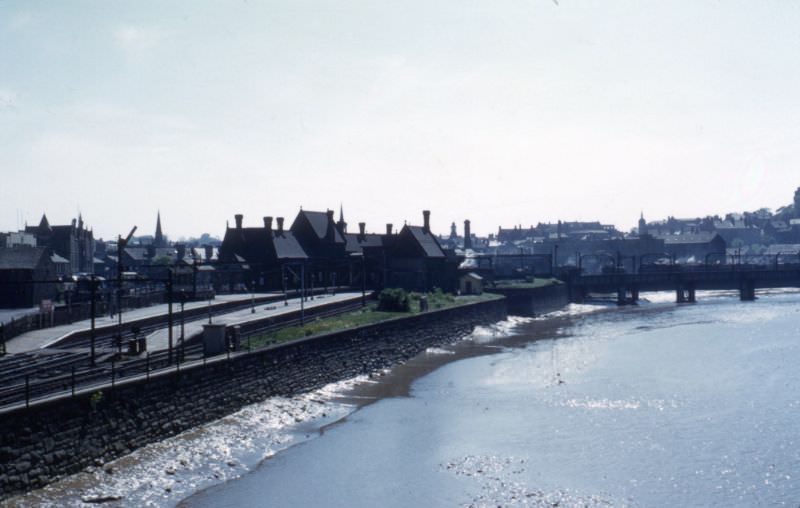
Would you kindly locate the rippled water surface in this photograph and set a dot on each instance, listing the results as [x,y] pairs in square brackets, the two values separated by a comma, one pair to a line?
[655,405]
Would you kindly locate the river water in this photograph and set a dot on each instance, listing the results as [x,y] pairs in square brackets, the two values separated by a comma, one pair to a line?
[654,405]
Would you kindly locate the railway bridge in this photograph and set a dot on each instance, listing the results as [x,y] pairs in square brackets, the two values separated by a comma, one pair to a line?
[684,280]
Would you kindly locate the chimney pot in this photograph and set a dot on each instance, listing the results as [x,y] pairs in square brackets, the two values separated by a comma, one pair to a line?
[362,226]
[280,224]
[426,215]
[239,217]
[388,229]
[268,223]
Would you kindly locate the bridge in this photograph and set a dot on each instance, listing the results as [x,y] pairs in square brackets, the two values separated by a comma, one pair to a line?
[685,280]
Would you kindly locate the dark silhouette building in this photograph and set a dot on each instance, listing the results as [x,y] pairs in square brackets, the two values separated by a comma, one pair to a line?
[258,256]
[416,261]
[27,276]
[73,242]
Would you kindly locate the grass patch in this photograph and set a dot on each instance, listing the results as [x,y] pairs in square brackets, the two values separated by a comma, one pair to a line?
[527,284]
[366,316]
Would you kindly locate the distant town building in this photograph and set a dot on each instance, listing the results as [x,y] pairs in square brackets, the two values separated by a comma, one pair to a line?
[19,238]
[258,256]
[797,203]
[73,242]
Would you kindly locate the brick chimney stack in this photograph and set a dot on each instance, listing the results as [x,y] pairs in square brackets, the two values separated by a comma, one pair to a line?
[268,223]
[467,235]
[239,217]
[426,216]
[280,224]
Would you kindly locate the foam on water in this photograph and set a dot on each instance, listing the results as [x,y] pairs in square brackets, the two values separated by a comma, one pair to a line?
[505,328]
[502,484]
[163,473]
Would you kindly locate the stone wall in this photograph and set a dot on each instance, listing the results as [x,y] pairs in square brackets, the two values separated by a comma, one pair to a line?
[523,301]
[63,436]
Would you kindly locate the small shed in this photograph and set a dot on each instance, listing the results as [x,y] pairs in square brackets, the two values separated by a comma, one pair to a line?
[471,284]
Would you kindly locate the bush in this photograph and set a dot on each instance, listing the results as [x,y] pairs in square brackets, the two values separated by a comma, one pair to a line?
[394,300]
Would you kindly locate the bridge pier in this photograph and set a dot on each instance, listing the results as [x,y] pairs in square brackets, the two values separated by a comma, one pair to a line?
[624,299]
[747,290]
[685,294]
[577,294]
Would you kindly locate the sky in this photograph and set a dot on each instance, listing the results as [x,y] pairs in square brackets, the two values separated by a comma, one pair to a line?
[503,112]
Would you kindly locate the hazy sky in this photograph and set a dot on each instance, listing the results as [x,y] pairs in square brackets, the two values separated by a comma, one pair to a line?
[500,111]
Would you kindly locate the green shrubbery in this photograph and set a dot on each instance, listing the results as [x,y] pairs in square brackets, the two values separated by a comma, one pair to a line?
[394,300]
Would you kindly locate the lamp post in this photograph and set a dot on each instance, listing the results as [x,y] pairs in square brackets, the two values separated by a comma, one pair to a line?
[302,293]
[121,244]
[363,278]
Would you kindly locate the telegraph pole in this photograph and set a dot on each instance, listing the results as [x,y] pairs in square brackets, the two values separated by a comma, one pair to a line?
[121,244]
[92,309]
[169,311]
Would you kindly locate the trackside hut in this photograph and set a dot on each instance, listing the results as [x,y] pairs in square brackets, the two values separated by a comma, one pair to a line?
[258,255]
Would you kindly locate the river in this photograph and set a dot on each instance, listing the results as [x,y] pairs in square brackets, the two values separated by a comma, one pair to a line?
[653,405]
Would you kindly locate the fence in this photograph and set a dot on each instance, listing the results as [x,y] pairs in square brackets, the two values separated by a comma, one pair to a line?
[33,385]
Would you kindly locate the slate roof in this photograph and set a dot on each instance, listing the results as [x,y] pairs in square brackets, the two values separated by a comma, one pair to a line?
[686,238]
[320,223]
[256,244]
[287,246]
[21,258]
[782,248]
[427,241]
[137,253]
[55,258]
[140,253]
[356,242]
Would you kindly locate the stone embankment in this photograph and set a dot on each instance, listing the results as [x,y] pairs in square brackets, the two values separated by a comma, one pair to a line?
[65,435]
[533,301]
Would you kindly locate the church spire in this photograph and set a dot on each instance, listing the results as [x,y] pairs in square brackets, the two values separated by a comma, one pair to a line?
[159,239]
[341,225]
[642,224]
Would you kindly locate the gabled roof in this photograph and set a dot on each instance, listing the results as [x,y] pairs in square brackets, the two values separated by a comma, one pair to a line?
[321,223]
[21,257]
[427,241]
